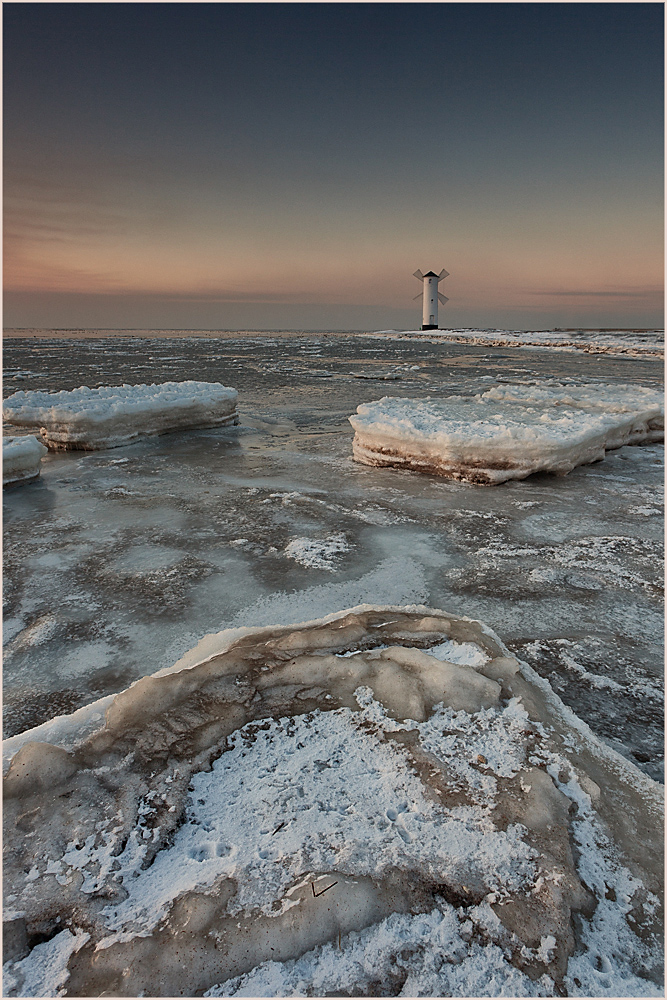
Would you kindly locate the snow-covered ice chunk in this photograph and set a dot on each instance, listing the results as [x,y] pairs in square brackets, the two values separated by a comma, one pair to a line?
[403,817]
[111,416]
[508,432]
[21,459]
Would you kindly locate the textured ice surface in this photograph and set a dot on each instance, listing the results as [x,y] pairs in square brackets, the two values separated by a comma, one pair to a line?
[317,553]
[21,459]
[508,432]
[116,559]
[111,416]
[457,652]
[296,819]
[640,400]
[643,405]
[428,954]
[44,972]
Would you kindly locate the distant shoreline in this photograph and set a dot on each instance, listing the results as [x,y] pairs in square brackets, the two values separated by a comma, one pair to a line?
[92,334]
[616,341]
[85,333]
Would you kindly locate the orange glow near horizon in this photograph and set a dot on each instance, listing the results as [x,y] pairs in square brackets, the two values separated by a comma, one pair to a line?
[504,263]
[185,153]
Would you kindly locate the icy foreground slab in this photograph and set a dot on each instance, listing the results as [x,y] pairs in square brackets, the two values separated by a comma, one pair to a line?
[111,416]
[21,459]
[508,432]
[377,802]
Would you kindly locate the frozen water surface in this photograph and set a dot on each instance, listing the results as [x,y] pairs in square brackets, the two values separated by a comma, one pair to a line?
[117,562]
[472,836]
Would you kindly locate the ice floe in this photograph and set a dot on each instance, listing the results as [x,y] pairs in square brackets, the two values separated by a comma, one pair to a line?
[111,416]
[21,459]
[508,432]
[422,817]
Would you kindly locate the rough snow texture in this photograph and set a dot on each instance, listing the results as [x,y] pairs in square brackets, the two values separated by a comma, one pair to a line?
[508,432]
[44,972]
[317,553]
[21,459]
[379,802]
[111,416]
[644,406]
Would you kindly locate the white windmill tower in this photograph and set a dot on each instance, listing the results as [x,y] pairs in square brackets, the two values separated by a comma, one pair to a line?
[431,297]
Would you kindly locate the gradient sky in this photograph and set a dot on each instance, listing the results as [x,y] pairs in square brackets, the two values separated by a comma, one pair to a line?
[276,166]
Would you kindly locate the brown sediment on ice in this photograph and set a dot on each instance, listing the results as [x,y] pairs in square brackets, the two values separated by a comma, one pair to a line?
[120,796]
[509,432]
[478,472]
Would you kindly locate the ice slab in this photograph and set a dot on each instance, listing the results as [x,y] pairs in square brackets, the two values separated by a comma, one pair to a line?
[111,416]
[21,459]
[508,432]
[283,812]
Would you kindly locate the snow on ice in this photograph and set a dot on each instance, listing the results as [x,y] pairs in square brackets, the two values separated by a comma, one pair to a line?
[645,407]
[111,416]
[508,432]
[21,459]
[380,799]
[317,553]
[634,343]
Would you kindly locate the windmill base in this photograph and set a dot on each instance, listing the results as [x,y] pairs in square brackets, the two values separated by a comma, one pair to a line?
[430,326]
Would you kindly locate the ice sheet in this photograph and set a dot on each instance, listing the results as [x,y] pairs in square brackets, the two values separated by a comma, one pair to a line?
[111,416]
[280,811]
[508,432]
[115,559]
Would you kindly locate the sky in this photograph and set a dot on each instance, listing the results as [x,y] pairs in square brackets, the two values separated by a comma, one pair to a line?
[290,165]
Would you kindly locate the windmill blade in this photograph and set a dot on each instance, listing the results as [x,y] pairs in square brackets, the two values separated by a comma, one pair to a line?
[419,275]
[417,296]
[443,274]
[442,298]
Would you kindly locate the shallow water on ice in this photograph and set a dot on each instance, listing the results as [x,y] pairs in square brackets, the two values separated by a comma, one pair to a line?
[118,561]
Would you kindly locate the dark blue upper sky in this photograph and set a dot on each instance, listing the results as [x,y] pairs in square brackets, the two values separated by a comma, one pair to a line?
[318,132]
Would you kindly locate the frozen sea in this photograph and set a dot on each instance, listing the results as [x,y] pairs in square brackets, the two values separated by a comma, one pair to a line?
[117,562]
